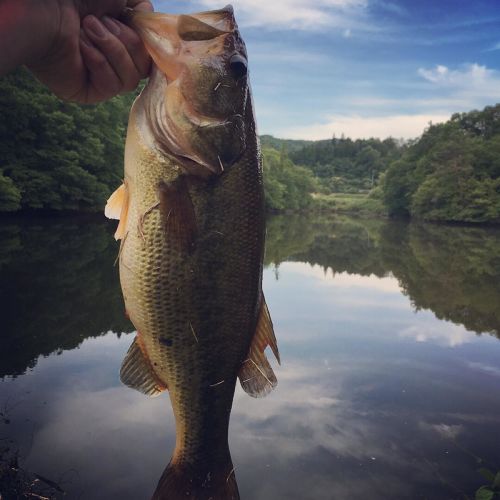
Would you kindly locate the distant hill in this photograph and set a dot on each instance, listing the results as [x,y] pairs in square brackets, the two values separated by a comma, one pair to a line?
[290,145]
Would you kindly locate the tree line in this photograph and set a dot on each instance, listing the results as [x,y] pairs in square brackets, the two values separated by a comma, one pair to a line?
[61,156]
[56,155]
[345,165]
[452,173]
[449,174]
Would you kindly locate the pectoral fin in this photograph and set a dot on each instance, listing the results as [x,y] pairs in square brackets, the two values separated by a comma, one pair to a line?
[256,375]
[136,371]
[117,208]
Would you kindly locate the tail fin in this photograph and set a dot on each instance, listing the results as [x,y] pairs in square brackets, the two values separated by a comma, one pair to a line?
[182,481]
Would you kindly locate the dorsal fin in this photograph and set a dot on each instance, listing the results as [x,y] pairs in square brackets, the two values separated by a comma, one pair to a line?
[136,371]
[117,208]
[256,375]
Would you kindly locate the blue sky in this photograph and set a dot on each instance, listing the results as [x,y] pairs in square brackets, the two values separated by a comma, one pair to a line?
[365,68]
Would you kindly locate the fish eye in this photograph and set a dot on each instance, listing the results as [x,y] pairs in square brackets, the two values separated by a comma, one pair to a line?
[238,66]
[191,29]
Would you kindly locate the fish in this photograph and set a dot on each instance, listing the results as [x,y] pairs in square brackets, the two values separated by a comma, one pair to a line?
[192,232]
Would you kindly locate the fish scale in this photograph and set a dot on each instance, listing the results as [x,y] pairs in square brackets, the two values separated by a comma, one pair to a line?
[215,288]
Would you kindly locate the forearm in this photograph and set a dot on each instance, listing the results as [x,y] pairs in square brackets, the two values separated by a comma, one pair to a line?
[26,32]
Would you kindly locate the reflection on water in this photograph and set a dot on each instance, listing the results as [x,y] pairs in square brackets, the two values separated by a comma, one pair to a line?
[452,271]
[385,391]
[58,287]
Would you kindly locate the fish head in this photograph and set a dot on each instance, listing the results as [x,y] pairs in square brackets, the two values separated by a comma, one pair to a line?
[199,95]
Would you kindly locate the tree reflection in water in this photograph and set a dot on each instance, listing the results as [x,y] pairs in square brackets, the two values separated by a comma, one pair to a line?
[59,285]
[454,271]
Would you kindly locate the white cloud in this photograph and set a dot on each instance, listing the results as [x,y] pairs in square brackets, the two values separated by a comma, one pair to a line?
[471,75]
[495,47]
[387,284]
[438,74]
[475,85]
[446,431]
[359,127]
[393,8]
[294,14]
[491,370]
[471,86]
[445,333]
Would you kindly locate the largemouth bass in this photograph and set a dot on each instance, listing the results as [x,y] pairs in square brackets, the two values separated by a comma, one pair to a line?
[192,231]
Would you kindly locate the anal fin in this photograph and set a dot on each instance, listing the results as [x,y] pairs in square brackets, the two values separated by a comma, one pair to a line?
[256,375]
[136,371]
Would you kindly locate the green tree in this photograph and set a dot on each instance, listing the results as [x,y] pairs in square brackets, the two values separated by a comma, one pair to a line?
[451,173]
[287,187]
[10,196]
[57,155]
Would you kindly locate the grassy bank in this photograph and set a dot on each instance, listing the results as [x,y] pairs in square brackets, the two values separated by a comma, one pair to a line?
[354,204]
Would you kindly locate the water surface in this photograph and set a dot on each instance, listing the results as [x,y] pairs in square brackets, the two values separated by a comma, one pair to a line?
[389,386]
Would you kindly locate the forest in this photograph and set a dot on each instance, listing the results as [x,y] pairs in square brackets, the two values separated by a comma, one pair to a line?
[59,156]
[56,155]
[449,174]
[452,173]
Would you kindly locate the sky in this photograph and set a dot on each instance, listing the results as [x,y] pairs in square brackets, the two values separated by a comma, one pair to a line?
[364,68]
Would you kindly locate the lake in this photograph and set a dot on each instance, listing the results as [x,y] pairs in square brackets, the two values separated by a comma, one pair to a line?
[389,386]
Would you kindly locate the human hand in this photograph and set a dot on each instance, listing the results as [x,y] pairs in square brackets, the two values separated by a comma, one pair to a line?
[92,56]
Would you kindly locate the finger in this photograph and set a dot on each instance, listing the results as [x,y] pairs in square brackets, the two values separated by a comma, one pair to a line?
[142,5]
[133,44]
[113,50]
[103,82]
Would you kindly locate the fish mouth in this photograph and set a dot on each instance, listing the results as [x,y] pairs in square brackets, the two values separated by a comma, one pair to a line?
[164,35]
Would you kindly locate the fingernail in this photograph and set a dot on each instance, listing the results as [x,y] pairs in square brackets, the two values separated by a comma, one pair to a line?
[112,25]
[95,27]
